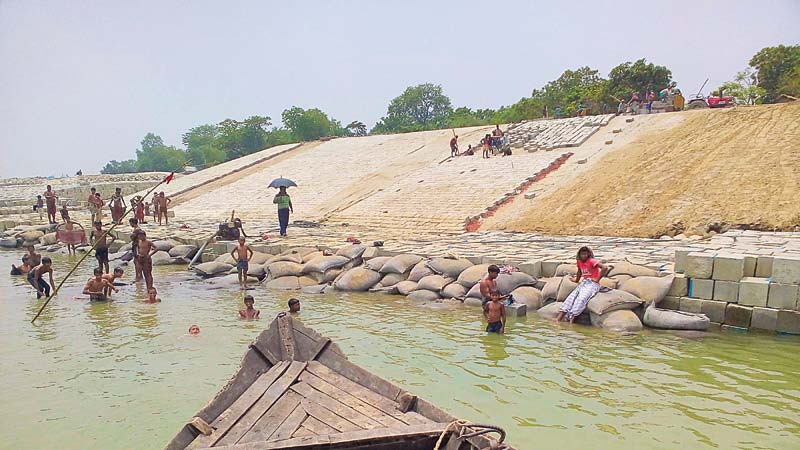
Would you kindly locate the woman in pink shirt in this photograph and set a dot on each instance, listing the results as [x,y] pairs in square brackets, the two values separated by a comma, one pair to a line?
[591,271]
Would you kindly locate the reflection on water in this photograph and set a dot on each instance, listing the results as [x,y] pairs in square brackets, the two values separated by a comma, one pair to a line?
[126,374]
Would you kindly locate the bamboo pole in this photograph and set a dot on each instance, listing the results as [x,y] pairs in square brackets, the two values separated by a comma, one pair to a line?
[103,236]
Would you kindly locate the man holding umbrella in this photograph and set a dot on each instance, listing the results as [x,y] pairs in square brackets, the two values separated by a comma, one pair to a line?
[283,201]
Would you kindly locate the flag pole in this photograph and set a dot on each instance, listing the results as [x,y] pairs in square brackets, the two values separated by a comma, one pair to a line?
[97,241]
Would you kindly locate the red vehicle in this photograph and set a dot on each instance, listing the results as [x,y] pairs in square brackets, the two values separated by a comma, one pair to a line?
[721,101]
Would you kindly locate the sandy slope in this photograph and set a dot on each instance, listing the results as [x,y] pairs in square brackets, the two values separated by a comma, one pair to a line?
[738,167]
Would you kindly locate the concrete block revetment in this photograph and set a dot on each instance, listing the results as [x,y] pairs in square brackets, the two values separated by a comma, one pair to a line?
[670,302]
[701,289]
[699,265]
[753,291]
[788,322]
[689,304]
[764,267]
[728,267]
[738,315]
[783,296]
[764,318]
[714,310]
[786,270]
[726,291]
[680,286]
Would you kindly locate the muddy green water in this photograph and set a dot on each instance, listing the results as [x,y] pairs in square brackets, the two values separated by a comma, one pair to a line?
[126,375]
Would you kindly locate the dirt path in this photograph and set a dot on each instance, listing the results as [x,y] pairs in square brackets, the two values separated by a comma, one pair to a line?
[737,167]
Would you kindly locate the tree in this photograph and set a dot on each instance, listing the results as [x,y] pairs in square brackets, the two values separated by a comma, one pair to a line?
[308,125]
[465,117]
[154,156]
[421,107]
[114,166]
[744,88]
[356,128]
[583,85]
[777,70]
[639,76]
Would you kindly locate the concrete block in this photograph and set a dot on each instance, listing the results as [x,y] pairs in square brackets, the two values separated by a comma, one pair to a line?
[220,248]
[728,267]
[549,268]
[783,296]
[670,302]
[726,291]
[764,318]
[701,289]
[734,328]
[714,310]
[738,315]
[788,322]
[689,304]
[786,270]
[532,268]
[516,310]
[750,266]
[764,266]
[680,259]
[753,291]
[699,265]
[680,286]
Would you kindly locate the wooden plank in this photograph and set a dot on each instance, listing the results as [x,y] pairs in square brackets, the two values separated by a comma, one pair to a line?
[286,333]
[268,341]
[230,416]
[303,431]
[318,427]
[348,439]
[338,408]
[327,417]
[265,352]
[377,400]
[273,418]
[359,375]
[314,336]
[272,394]
[387,420]
[290,425]
[415,418]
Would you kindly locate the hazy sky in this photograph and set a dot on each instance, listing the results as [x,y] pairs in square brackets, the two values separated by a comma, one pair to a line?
[81,82]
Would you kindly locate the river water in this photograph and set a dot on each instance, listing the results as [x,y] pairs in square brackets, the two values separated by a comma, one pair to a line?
[126,375]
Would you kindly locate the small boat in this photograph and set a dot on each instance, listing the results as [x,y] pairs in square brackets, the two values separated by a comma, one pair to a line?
[295,389]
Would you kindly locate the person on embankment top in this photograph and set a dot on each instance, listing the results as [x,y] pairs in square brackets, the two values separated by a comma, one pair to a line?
[454,146]
[285,207]
[590,271]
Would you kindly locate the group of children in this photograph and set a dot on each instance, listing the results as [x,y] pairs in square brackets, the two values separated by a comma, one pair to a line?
[491,142]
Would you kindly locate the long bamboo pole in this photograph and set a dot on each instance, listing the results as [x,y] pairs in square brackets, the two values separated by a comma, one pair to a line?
[97,241]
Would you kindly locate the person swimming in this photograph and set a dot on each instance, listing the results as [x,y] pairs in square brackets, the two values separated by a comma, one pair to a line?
[249,313]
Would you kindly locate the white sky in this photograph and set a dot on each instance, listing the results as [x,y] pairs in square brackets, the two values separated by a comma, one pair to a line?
[81,82]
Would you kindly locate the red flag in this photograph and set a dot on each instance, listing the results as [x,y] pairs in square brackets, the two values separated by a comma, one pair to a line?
[169,177]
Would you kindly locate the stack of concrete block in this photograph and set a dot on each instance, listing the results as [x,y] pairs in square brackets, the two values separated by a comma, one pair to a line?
[552,134]
[743,291]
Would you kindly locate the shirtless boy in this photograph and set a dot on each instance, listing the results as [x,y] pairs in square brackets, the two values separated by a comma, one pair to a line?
[101,247]
[135,233]
[152,296]
[493,308]
[144,252]
[294,305]
[50,198]
[110,277]
[34,259]
[96,286]
[242,254]
[35,278]
[162,208]
[249,313]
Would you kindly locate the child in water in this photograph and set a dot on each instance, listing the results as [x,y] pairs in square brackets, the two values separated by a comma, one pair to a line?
[194,330]
[249,313]
[590,271]
[294,305]
[152,297]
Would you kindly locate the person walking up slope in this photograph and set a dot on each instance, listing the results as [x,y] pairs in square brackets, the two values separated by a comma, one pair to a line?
[285,207]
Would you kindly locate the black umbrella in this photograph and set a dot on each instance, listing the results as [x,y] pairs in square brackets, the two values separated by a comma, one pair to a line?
[282,182]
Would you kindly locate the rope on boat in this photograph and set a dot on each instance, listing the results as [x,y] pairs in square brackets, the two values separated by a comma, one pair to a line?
[485,428]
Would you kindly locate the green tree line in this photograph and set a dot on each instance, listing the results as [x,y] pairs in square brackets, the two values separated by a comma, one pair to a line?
[772,73]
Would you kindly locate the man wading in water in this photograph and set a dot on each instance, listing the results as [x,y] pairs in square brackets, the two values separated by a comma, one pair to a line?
[591,270]
[135,234]
[242,254]
[101,248]
[144,252]
[493,309]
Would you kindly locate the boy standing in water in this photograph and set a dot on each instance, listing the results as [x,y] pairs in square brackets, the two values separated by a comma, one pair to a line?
[101,248]
[242,254]
[144,252]
[152,296]
[249,313]
[136,232]
[495,313]
[294,305]
[110,277]
[96,286]
[591,270]
[35,278]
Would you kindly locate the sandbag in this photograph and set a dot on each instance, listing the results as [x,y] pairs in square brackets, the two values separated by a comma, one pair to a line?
[400,263]
[529,296]
[472,275]
[357,279]
[624,321]
[507,282]
[324,263]
[650,289]
[31,235]
[420,271]
[260,258]
[226,259]
[183,251]
[433,283]
[256,270]
[612,300]
[9,242]
[453,290]
[302,251]
[230,280]
[666,319]
[550,289]
[48,239]
[449,267]
[550,311]
[378,262]
[406,287]
[312,256]
[352,251]
[565,288]
[289,257]
[211,268]
[566,269]
[475,292]
[162,258]
[327,276]
[355,262]
[306,280]
[626,268]
[284,269]
[472,301]
[284,283]
[423,295]
[390,279]
[163,245]
[314,289]
[610,283]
